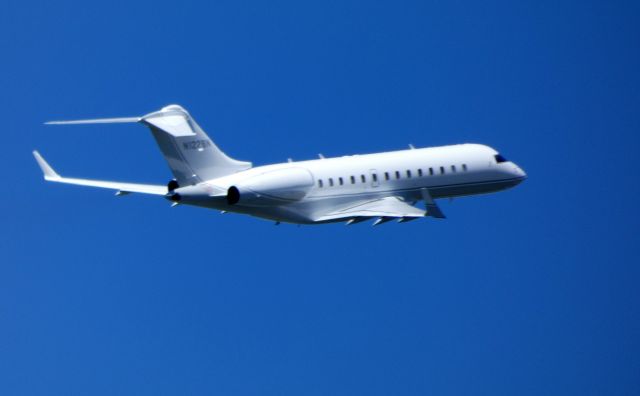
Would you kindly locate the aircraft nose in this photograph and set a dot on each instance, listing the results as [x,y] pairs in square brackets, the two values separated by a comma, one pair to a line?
[519,173]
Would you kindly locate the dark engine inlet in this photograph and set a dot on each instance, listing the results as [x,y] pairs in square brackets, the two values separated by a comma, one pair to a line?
[233,195]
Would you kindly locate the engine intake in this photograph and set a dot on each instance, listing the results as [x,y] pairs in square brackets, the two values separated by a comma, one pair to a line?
[233,195]
[276,187]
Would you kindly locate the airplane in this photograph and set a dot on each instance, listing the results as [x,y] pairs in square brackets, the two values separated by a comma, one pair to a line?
[381,187]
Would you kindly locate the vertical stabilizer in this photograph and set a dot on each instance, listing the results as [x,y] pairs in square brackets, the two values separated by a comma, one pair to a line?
[190,153]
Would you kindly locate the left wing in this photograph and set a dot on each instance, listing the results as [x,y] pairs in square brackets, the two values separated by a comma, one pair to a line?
[385,209]
[123,188]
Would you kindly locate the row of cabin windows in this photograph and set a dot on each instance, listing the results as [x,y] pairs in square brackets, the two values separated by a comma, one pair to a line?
[387,176]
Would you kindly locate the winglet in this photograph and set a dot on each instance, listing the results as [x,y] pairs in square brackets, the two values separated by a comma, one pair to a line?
[48,171]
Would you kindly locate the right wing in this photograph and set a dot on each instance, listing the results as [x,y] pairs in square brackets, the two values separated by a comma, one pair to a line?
[384,209]
[123,188]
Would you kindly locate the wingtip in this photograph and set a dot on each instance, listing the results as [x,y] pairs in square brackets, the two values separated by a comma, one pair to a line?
[47,170]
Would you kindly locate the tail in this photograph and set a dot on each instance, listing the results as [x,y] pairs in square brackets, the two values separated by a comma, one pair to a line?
[190,153]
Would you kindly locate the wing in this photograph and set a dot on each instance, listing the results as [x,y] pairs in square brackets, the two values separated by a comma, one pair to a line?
[385,209]
[123,188]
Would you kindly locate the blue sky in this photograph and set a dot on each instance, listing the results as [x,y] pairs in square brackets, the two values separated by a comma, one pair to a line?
[531,291]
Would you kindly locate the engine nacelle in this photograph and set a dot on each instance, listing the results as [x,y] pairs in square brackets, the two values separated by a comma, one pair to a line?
[272,188]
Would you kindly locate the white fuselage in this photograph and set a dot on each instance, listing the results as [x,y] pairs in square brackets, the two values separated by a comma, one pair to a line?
[355,188]
[298,192]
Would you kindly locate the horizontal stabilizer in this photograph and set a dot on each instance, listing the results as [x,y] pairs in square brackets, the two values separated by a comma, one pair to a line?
[121,120]
[192,156]
[51,175]
[176,125]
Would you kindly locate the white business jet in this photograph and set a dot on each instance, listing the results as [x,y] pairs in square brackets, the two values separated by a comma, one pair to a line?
[350,189]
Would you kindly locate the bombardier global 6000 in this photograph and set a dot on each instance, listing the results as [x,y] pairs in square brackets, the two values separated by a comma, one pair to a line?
[381,187]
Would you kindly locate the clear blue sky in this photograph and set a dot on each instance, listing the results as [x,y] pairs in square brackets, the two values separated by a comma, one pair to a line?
[533,291]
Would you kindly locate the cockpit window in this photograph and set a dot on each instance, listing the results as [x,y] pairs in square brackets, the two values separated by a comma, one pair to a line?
[500,158]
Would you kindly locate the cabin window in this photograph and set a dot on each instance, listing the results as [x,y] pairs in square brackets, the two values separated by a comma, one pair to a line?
[464,167]
[453,168]
[430,171]
[386,176]
[340,181]
[420,172]
[374,176]
[441,170]
[353,180]
[397,174]
[330,182]
[500,159]
[320,183]
[363,178]
[408,174]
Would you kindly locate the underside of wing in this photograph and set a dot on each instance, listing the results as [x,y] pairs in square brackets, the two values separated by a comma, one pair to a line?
[385,209]
[122,188]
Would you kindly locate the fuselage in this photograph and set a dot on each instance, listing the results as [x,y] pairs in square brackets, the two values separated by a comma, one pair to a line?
[298,192]
[383,186]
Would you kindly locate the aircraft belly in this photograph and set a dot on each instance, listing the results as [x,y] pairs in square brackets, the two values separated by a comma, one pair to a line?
[473,188]
[304,211]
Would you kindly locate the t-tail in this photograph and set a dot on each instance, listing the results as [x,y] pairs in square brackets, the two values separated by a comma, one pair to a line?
[192,156]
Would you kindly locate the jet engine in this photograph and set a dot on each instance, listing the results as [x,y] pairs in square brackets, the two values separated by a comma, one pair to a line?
[276,187]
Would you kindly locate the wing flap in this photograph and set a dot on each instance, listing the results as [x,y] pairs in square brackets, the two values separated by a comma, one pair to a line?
[389,207]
